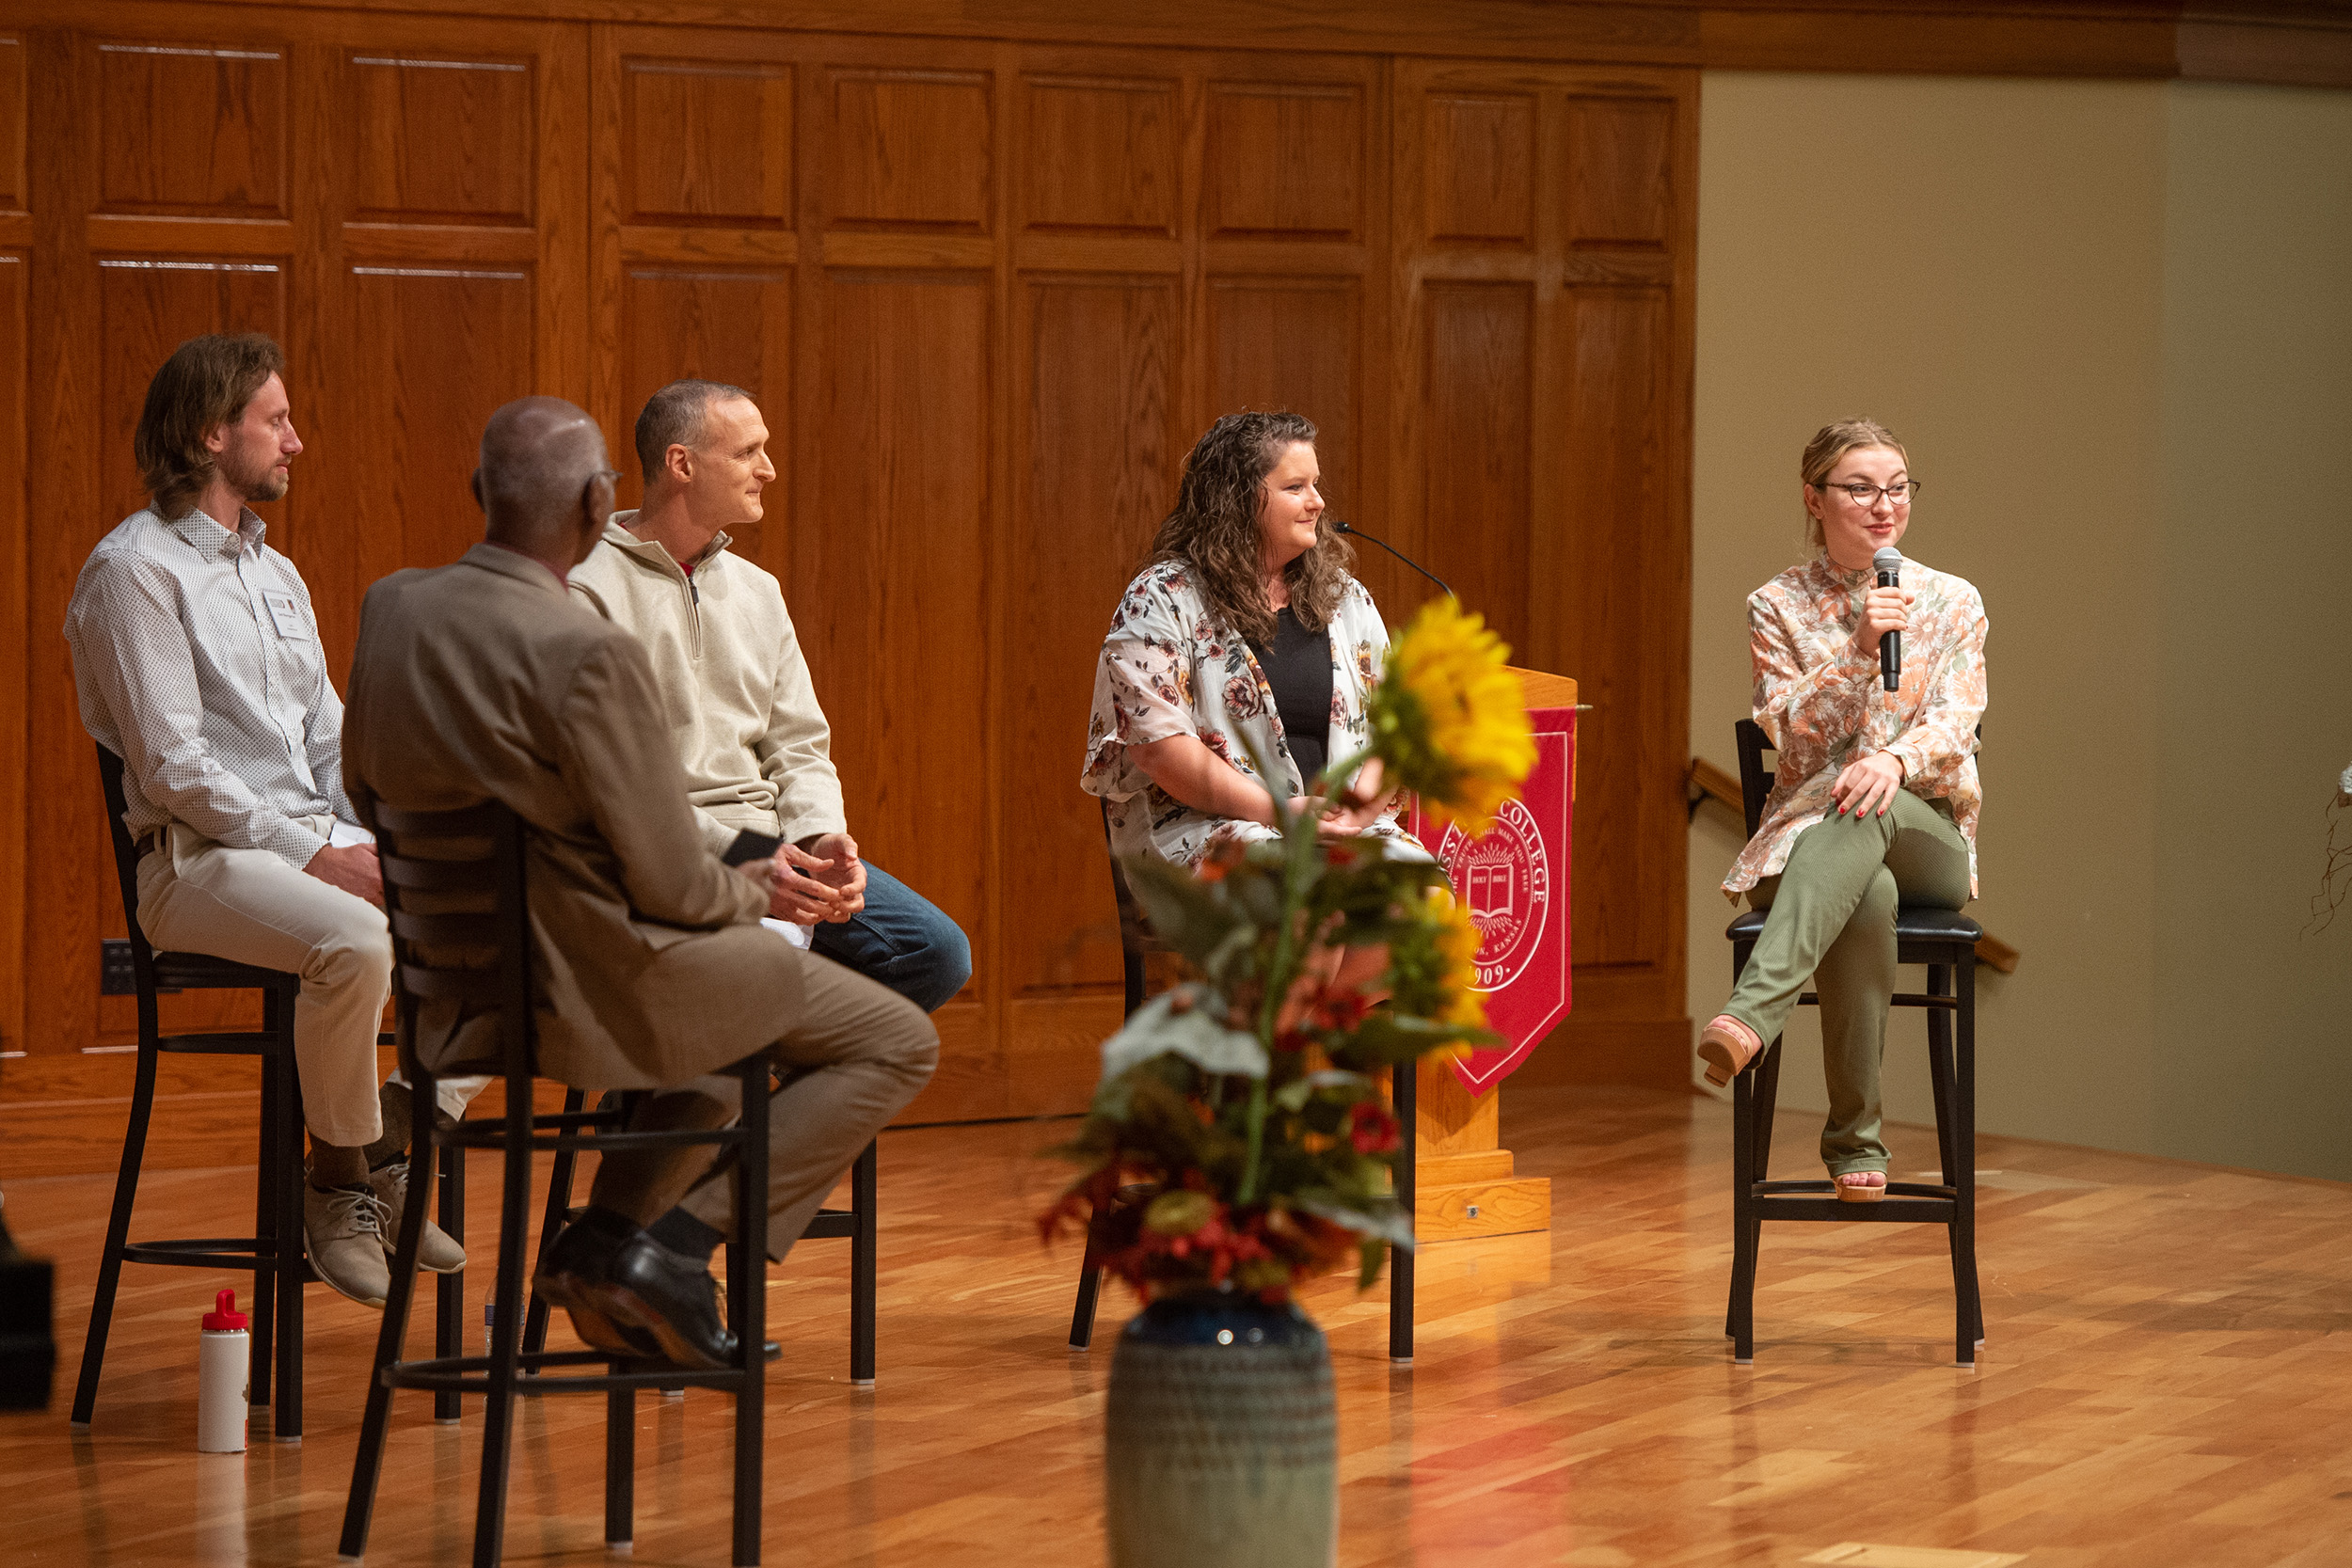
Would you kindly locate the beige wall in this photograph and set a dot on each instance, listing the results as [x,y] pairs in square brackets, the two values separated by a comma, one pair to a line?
[2100,314]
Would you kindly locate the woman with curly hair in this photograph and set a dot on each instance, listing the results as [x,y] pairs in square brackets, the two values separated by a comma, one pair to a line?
[1242,631]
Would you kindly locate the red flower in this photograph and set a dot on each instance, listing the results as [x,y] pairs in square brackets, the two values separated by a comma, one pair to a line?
[1340,1011]
[1220,858]
[1372,1129]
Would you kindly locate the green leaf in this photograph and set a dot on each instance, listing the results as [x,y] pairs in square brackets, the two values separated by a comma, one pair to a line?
[1374,1252]
[1232,959]
[1197,1034]
[1388,1221]
[1190,915]
[1387,1037]
[1331,1086]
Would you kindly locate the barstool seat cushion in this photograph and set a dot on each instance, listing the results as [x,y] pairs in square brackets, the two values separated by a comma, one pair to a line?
[203,972]
[1910,925]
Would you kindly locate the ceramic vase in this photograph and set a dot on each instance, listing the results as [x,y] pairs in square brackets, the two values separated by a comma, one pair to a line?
[1222,1450]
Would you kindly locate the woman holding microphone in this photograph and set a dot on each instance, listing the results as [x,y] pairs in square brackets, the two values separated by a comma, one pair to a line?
[1875,801]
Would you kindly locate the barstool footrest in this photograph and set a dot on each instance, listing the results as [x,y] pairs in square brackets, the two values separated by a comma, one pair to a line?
[467,1374]
[1894,1189]
[1800,1206]
[485,1133]
[222,1252]
[225,1043]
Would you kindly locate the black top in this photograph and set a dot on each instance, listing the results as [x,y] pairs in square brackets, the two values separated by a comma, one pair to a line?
[1298,667]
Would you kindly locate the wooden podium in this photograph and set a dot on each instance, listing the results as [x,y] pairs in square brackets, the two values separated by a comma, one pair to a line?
[1465,1184]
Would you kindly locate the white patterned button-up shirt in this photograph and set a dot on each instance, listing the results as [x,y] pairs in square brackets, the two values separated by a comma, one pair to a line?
[1169,668]
[197,662]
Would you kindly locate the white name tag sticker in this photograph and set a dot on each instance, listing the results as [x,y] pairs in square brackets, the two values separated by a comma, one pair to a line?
[286,615]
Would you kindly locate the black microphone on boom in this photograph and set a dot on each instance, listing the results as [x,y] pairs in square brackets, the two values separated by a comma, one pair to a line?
[1889,562]
[1353,532]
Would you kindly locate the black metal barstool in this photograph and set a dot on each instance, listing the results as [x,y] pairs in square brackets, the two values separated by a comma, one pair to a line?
[1944,941]
[272,1254]
[1136,942]
[454,885]
[857,1222]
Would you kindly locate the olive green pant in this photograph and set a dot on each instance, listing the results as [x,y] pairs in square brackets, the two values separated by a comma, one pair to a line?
[1832,921]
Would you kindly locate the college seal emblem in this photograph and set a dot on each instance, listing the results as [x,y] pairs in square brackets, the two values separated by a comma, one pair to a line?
[1504,879]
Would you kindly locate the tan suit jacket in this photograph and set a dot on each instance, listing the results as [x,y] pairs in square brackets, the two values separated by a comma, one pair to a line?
[485,679]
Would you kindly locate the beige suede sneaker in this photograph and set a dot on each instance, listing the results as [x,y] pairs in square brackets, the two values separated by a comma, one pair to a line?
[343,1229]
[437,1252]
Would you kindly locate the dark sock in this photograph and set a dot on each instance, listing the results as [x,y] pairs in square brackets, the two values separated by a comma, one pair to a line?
[335,1165]
[608,1221]
[685,1235]
[393,1098]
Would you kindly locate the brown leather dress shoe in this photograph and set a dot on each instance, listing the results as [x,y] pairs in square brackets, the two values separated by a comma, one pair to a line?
[575,1278]
[673,1298]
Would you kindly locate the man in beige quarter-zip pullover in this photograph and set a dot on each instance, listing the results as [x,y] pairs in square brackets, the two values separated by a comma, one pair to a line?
[743,713]
[483,679]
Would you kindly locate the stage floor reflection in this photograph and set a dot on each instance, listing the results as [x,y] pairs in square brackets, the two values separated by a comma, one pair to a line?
[2168,1380]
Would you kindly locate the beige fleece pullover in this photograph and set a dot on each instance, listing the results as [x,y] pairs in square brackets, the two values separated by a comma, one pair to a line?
[743,715]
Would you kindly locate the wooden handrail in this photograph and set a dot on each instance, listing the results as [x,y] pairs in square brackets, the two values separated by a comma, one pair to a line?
[1706,782]
[1711,783]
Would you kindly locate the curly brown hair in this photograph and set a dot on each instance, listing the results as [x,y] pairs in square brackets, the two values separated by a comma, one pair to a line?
[1214,529]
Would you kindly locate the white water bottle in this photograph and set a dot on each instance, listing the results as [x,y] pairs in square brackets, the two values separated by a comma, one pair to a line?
[221,1366]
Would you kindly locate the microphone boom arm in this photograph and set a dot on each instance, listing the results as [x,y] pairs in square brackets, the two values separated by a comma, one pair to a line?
[1354,532]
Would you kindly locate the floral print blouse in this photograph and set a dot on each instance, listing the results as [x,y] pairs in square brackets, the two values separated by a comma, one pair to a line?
[1823,703]
[1169,668]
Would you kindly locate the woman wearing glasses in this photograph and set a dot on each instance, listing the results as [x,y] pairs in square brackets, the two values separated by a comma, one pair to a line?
[1874,805]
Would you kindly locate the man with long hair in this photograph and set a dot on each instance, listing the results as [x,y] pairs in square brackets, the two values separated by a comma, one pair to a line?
[197,662]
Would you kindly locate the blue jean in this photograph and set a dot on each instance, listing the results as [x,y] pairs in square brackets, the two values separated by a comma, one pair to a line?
[900,940]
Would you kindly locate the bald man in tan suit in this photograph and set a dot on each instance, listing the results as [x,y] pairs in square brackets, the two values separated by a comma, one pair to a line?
[485,679]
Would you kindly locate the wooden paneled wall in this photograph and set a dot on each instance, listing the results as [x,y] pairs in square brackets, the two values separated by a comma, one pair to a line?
[986,295]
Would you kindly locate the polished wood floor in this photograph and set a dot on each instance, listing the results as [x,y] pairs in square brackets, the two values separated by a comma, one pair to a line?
[2169,1380]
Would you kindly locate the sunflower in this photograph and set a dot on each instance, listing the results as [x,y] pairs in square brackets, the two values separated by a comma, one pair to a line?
[1458,942]
[1448,719]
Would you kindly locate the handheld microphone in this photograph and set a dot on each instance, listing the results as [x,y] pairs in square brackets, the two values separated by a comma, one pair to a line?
[1352,530]
[1889,562]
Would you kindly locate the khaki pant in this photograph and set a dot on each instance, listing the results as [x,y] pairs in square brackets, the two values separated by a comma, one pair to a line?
[450,1095]
[852,1059]
[1832,921]
[250,907]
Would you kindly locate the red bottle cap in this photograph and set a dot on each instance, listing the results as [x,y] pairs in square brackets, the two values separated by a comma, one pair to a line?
[224,1318]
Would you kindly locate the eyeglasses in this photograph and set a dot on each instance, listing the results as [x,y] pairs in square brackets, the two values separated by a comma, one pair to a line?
[1867,495]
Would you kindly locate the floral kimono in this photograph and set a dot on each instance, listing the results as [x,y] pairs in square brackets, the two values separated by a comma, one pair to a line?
[1823,703]
[1169,667]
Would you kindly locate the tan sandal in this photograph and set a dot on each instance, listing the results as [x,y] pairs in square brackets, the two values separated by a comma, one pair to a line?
[1862,1186]
[1726,1045]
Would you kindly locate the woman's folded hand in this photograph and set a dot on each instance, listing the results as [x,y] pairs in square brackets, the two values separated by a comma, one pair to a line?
[1867,783]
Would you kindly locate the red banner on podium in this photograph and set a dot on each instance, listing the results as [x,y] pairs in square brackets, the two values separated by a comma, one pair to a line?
[1513,880]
